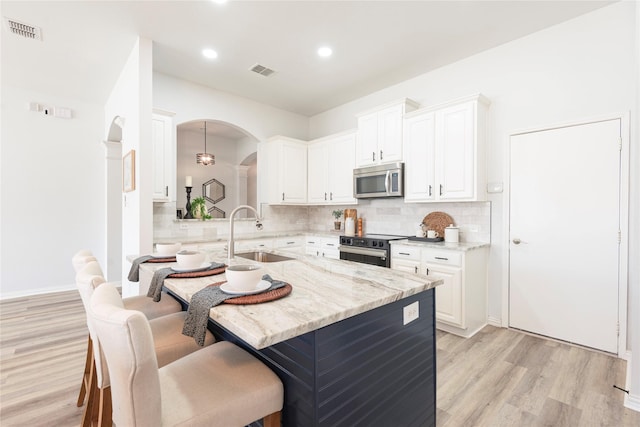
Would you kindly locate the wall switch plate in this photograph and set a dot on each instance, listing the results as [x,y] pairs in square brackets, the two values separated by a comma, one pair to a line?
[410,312]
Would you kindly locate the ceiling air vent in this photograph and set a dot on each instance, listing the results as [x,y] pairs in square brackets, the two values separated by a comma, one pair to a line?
[24,30]
[262,70]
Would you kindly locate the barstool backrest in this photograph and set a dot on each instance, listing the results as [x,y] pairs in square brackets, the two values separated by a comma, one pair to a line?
[127,343]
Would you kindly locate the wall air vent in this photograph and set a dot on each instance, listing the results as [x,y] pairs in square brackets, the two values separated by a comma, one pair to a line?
[262,70]
[24,30]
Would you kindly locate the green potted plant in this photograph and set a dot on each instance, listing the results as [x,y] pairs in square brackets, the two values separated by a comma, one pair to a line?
[337,214]
[199,209]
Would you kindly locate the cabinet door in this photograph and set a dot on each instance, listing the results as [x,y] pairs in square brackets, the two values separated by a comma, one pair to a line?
[390,134]
[367,143]
[449,307]
[294,169]
[318,173]
[408,266]
[341,155]
[456,137]
[162,159]
[419,146]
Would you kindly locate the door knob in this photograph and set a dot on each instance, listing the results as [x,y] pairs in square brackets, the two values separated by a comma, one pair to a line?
[517,241]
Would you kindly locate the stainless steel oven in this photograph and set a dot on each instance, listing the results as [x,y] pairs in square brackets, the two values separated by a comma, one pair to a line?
[372,249]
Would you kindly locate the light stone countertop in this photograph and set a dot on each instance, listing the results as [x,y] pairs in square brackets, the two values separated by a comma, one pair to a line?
[325,291]
[442,245]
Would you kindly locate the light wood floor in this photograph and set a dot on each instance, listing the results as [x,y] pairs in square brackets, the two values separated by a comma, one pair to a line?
[497,378]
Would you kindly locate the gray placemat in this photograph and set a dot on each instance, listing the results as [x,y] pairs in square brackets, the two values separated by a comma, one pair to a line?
[134,272]
[157,281]
[195,324]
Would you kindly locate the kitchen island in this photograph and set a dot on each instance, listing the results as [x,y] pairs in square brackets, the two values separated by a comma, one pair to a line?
[343,342]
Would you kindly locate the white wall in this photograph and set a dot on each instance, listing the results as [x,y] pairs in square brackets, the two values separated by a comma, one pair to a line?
[131,98]
[52,201]
[578,69]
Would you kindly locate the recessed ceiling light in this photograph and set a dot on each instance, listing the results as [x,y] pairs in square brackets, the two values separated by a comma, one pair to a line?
[209,53]
[325,51]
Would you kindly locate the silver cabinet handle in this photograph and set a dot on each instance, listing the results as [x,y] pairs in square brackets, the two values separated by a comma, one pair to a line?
[415,269]
[373,156]
[517,241]
[380,154]
[283,197]
[441,189]
[403,253]
[441,258]
[325,196]
[429,190]
[331,195]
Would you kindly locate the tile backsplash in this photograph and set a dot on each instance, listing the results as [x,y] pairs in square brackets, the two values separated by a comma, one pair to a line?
[382,216]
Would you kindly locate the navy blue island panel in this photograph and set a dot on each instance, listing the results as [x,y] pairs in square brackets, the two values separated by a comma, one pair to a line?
[367,370]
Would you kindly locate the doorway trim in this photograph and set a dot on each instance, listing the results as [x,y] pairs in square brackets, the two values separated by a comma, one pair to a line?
[623,267]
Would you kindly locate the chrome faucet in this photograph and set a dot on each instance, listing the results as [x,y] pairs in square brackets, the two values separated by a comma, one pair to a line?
[231,244]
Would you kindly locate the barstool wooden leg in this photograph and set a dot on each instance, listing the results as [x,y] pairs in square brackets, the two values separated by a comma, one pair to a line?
[272,420]
[90,409]
[85,375]
[105,411]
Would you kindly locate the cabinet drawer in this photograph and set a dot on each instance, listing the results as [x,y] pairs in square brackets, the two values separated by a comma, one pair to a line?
[405,252]
[442,257]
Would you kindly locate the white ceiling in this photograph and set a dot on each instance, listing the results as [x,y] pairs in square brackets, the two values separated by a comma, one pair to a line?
[376,43]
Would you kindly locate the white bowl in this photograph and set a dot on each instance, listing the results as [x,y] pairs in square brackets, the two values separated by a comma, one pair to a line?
[244,277]
[190,259]
[168,249]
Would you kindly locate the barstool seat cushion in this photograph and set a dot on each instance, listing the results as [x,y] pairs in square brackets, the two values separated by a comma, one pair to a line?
[168,340]
[151,309]
[219,386]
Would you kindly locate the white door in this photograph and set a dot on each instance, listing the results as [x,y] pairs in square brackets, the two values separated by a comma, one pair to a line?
[564,233]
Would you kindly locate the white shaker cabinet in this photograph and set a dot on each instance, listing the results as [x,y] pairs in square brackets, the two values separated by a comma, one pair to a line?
[287,170]
[461,301]
[379,138]
[164,181]
[327,247]
[444,147]
[330,169]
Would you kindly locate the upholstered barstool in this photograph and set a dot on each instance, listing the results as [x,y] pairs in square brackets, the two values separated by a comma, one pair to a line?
[220,385]
[166,305]
[169,345]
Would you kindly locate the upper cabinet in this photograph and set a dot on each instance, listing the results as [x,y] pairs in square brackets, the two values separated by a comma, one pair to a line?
[379,137]
[444,151]
[330,169]
[287,170]
[163,158]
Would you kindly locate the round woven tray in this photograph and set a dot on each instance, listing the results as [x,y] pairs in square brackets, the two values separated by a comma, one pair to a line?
[168,259]
[437,221]
[258,298]
[203,273]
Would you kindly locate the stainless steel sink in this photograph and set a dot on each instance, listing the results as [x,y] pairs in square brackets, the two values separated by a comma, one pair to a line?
[263,256]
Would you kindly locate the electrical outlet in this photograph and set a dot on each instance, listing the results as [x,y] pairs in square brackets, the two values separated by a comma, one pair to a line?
[410,312]
[184,227]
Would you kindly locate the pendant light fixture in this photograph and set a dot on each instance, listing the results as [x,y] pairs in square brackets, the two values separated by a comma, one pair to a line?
[205,158]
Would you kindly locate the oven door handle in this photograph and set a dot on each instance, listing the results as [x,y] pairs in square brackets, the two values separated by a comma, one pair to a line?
[380,253]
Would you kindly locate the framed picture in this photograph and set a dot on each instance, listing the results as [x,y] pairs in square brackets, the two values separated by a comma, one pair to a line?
[129,171]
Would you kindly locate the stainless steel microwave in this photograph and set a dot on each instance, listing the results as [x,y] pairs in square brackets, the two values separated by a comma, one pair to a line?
[379,181]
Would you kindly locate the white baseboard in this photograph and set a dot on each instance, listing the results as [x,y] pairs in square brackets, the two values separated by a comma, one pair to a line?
[631,401]
[38,291]
[494,321]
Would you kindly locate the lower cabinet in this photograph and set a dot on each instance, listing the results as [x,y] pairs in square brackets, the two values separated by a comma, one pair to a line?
[461,301]
[323,246]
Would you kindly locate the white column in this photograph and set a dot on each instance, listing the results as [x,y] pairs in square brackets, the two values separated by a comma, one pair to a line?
[113,194]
